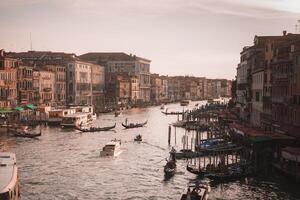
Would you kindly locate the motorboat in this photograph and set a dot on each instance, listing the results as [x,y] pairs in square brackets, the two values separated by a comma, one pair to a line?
[113,148]
[9,178]
[196,191]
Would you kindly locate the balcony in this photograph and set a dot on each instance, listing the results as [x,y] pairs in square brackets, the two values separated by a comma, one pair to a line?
[47,89]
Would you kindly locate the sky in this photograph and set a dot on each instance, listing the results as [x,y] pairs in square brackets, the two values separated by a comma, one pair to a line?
[181,37]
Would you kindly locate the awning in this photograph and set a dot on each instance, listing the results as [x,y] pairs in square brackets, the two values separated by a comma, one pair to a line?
[30,106]
[4,111]
[256,140]
[19,108]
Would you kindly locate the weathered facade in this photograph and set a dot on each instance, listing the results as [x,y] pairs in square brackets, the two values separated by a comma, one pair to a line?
[131,65]
[79,82]
[98,86]
[8,80]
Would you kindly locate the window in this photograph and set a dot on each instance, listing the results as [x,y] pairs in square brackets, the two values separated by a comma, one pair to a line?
[256,96]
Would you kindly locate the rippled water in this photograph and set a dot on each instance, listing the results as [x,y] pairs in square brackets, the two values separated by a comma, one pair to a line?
[64,164]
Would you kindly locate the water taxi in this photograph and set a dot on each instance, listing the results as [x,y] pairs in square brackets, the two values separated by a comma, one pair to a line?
[113,148]
[75,120]
[196,191]
[9,181]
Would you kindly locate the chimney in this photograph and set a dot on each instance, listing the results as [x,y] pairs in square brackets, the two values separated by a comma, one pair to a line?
[284,33]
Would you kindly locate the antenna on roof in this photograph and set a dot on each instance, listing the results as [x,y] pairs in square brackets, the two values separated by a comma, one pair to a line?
[30,42]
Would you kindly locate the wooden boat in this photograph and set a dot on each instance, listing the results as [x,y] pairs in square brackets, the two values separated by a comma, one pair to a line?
[96,129]
[195,170]
[231,173]
[134,125]
[196,191]
[27,134]
[138,138]
[170,167]
[172,113]
[184,153]
[184,102]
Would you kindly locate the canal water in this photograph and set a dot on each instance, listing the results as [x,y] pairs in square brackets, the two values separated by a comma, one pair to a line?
[65,164]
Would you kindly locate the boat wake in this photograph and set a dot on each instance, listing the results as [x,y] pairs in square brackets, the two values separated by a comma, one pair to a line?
[155,146]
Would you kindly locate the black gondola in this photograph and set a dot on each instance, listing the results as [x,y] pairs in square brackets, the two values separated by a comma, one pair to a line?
[96,129]
[170,167]
[195,170]
[27,135]
[132,125]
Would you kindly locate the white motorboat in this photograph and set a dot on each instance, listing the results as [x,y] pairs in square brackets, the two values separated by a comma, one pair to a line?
[9,179]
[113,148]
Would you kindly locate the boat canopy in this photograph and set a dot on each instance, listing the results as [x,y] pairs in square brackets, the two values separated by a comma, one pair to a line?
[30,106]
[19,109]
[5,111]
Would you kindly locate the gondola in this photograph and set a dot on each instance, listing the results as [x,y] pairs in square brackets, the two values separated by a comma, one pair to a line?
[170,167]
[96,129]
[138,138]
[172,113]
[27,135]
[132,125]
[196,171]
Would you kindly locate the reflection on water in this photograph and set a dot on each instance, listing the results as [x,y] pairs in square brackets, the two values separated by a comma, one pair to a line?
[65,164]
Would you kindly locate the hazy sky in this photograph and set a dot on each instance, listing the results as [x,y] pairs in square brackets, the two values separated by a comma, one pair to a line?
[181,37]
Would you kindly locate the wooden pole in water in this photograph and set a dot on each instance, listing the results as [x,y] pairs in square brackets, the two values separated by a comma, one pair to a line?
[175,135]
[169,136]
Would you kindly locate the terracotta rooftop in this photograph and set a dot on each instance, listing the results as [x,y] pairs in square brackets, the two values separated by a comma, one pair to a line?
[110,56]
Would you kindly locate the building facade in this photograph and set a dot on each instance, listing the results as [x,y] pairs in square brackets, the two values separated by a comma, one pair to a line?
[8,80]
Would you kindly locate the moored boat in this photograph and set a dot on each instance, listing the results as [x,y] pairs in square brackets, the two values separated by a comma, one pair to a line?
[184,153]
[113,148]
[134,125]
[9,179]
[56,115]
[75,120]
[184,102]
[172,113]
[27,134]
